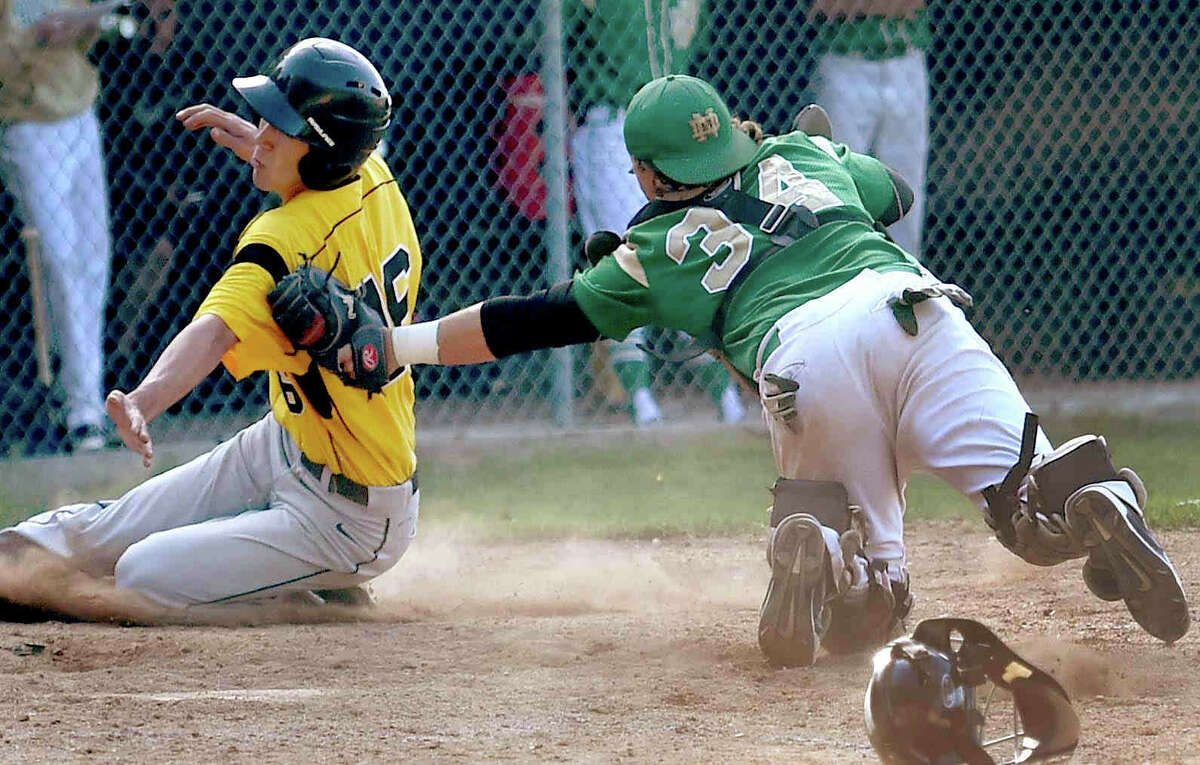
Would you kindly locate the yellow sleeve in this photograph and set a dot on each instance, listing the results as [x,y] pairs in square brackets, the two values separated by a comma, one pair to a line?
[240,298]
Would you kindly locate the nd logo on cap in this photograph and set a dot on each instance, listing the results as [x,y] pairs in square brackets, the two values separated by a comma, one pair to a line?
[683,128]
[705,126]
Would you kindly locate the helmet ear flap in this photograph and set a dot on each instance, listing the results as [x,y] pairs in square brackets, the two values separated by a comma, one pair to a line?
[321,170]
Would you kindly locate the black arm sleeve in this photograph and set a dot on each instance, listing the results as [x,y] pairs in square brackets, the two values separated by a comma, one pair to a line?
[903,202]
[546,319]
[262,255]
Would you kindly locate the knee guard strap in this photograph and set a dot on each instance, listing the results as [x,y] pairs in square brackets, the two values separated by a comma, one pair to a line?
[1027,509]
[1002,499]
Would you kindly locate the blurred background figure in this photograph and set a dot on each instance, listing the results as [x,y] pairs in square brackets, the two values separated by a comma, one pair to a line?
[50,161]
[614,47]
[871,77]
[1091,149]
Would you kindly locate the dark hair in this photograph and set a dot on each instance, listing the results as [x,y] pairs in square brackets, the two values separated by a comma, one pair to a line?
[670,183]
[750,128]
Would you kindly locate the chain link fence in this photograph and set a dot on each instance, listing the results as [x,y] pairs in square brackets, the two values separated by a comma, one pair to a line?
[1061,189]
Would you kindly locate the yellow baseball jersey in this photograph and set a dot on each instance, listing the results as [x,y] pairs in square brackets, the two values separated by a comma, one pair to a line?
[364,233]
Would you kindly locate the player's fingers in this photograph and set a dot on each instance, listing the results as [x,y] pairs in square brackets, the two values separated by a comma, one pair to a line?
[115,406]
[137,426]
[131,442]
[131,425]
[189,112]
[206,115]
[194,108]
[224,138]
[345,360]
[239,144]
[201,120]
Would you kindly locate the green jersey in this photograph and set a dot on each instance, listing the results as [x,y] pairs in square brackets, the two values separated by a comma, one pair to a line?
[617,46]
[679,259]
[874,37]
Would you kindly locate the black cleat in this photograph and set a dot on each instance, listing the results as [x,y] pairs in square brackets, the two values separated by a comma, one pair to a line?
[793,617]
[19,613]
[355,597]
[1126,560]
[1099,577]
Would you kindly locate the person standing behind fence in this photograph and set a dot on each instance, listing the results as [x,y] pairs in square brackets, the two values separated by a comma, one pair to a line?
[615,47]
[51,162]
[321,493]
[871,78]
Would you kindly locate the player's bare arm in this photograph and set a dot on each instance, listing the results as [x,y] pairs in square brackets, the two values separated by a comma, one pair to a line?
[493,329]
[165,19]
[190,357]
[461,338]
[225,128]
[454,339]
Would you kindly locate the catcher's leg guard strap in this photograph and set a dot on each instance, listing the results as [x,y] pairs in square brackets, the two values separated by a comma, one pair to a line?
[1028,511]
[824,500]
[1002,500]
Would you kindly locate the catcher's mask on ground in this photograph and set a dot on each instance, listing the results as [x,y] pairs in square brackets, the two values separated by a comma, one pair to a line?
[328,95]
[922,701]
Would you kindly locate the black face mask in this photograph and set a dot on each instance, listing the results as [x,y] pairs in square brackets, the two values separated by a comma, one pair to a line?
[921,699]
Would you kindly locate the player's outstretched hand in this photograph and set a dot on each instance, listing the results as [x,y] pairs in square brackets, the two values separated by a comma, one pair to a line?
[131,424]
[226,128]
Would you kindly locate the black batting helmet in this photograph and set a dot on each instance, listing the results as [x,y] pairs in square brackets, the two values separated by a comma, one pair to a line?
[328,95]
[920,702]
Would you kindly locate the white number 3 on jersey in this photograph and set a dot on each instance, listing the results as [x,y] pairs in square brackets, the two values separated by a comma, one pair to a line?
[779,183]
[722,234]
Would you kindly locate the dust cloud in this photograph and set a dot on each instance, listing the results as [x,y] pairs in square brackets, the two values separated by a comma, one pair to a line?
[446,573]
[1087,673]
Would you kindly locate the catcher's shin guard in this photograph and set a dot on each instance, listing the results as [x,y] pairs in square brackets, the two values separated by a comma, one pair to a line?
[872,610]
[1125,561]
[1073,502]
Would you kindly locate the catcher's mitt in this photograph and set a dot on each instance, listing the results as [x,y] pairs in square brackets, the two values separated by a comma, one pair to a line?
[342,333]
[813,120]
[600,245]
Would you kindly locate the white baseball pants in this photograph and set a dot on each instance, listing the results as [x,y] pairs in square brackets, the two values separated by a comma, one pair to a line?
[56,173]
[245,520]
[881,108]
[876,405]
[607,196]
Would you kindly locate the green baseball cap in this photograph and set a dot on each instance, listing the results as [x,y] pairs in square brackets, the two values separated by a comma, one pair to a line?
[681,126]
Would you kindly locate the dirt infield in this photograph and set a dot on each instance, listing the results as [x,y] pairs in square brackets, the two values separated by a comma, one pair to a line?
[572,651]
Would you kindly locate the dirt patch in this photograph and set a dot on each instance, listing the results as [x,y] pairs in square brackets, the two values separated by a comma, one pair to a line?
[571,651]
